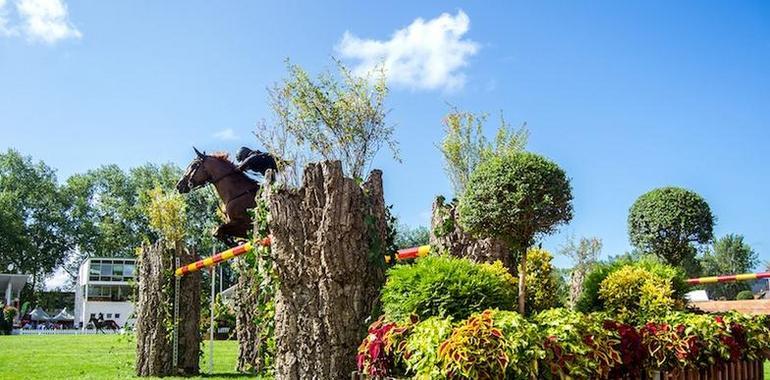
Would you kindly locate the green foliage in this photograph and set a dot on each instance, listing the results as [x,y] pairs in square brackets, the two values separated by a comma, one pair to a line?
[729,255]
[516,197]
[668,221]
[642,291]
[166,213]
[464,146]
[542,281]
[421,351]
[745,295]
[501,344]
[335,117]
[35,220]
[589,297]
[446,287]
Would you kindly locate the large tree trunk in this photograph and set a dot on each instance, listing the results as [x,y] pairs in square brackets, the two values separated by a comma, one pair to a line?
[446,235]
[189,317]
[246,307]
[328,239]
[154,307]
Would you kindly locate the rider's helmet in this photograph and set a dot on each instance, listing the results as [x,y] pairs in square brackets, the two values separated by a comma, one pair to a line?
[242,153]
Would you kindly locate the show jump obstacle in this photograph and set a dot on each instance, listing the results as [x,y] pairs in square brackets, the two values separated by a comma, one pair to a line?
[728,278]
[218,258]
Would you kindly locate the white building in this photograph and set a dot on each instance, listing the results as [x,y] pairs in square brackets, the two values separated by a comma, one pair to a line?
[103,287]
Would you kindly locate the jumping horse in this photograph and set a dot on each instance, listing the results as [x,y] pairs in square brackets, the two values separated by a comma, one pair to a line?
[100,325]
[236,190]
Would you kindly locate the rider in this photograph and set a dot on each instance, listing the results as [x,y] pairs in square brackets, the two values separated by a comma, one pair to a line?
[254,160]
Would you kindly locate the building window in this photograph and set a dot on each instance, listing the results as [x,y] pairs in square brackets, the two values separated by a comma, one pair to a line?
[95,269]
[109,315]
[117,315]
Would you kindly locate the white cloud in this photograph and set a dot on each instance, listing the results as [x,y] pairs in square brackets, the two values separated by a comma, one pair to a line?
[226,134]
[46,20]
[37,20]
[424,55]
[58,280]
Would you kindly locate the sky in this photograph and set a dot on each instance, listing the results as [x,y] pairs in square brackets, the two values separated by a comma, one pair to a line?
[625,96]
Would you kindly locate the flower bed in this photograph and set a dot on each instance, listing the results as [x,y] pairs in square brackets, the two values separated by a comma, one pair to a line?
[560,343]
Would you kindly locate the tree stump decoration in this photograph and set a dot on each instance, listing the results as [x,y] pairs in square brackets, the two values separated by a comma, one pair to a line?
[154,313]
[328,238]
[246,322]
[446,235]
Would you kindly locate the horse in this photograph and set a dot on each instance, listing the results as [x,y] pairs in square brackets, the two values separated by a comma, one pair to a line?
[236,190]
[108,323]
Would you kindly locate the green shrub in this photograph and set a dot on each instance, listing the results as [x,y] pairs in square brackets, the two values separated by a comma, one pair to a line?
[492,345]
[589,300]
[421,356]
[542,285]
[641,291]
[446,287]
[745,295]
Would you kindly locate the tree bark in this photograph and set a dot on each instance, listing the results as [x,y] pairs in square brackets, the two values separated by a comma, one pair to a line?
[153,343]
[246,305]
[154,307]
[328,238]
[188,363]
[446,235]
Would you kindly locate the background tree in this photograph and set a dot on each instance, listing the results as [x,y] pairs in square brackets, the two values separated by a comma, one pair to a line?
[465,146]
[670,222]
[330,117]
[517,197]
[729,255]
[407,237]
[584,255]
[36,229]
[109,211]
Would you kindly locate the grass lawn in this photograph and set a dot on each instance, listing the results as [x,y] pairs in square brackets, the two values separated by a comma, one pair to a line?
[91,357]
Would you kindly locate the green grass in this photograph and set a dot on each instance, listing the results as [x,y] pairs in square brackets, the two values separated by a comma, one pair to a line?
[92,357]
[767,370]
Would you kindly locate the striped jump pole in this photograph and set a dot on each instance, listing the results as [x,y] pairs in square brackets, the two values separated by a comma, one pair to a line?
[218,258]
[728,278]
[410,253]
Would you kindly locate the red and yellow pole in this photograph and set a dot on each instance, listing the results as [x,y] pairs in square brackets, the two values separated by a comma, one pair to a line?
[218,258]
[728,278]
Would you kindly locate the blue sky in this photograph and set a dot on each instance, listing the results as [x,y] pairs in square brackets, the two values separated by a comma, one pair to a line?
[625,96]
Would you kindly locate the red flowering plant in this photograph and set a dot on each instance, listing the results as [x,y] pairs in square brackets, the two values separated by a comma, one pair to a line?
[751,333]
[629,343]
[669,347]
[378,354]
[491,345]
[576,345]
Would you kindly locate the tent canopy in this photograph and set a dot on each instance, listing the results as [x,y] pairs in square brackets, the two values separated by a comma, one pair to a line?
[63,316]
[39,315]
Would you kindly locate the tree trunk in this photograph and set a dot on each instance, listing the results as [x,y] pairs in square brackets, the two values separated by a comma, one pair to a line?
[328,238]
[447,235]
[154,307]
[246,305]
[153,343]
[188,363]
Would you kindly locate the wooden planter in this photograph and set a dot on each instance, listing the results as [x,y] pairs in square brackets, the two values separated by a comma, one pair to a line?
[740,370]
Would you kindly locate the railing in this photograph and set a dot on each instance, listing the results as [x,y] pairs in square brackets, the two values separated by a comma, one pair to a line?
[63,332]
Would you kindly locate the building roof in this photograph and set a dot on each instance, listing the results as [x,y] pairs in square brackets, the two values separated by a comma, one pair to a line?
[17,281]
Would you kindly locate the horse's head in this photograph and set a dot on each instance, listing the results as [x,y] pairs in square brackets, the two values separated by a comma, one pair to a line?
[196,174]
